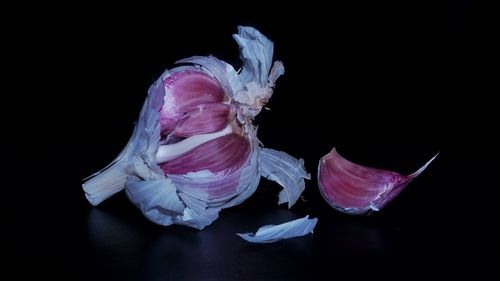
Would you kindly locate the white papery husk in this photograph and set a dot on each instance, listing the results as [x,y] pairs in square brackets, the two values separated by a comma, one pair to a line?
[174,199]
[273,233]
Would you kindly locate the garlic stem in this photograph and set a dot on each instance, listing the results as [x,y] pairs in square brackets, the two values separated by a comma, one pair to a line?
[171,151]
[106,183]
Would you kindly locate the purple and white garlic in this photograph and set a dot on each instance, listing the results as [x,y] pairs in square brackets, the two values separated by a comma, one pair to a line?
[194,150]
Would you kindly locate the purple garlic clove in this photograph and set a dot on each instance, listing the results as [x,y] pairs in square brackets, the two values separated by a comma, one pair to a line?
[222,156]
[207,118]
[185,91]
[354,189]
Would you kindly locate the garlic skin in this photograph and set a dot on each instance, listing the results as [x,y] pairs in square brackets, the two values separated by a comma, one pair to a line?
[194,150]
[354,189]
[274,233]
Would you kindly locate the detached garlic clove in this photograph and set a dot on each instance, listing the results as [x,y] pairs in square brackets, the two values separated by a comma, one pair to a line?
[354,189]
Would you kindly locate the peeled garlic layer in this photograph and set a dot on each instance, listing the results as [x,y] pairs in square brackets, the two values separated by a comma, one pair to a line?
[354,189]
[274,233]
[194,150]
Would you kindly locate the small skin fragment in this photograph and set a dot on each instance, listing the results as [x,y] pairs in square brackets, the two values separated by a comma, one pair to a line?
[273,233]
[354,189]
[286,170]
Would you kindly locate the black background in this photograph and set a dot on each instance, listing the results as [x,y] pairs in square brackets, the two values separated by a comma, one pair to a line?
[388,85]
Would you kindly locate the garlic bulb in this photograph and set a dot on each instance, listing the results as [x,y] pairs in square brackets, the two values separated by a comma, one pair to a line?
[194,150]
[354,189]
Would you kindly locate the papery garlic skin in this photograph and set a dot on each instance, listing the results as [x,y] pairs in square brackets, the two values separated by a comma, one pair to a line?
[354,189]
[194,150]
[274,233]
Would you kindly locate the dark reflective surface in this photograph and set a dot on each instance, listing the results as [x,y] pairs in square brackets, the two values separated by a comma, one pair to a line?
[415,237]
[388,86]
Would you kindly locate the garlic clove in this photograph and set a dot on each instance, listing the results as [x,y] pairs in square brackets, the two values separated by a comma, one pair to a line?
[172,151]
[207,118]
[274,233]
[211,188]
[354,189]
[222,156]
[184,91]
